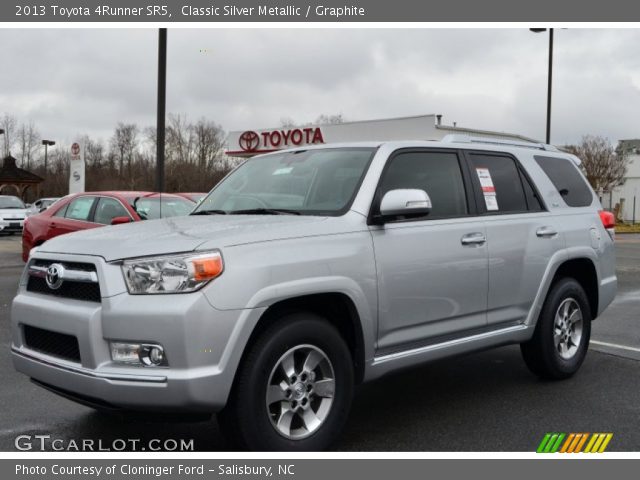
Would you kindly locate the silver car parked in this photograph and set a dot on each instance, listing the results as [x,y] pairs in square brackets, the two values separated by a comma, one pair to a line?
[308,271]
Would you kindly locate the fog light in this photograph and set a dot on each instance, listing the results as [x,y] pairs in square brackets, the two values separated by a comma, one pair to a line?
[138,354]
[152,355]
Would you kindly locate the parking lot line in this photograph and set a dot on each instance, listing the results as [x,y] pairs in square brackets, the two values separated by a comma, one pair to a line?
[614,345]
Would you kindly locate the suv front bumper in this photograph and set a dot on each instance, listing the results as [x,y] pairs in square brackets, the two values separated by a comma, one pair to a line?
[199,342]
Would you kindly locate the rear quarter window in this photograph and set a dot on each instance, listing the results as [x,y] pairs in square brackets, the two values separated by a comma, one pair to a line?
[566,177]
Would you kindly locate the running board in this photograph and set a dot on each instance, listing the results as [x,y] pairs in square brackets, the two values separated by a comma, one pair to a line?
[504,336]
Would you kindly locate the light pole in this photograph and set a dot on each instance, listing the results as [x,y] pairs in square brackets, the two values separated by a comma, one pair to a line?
[1,131]
[162,101]
[550,75]
[47,144]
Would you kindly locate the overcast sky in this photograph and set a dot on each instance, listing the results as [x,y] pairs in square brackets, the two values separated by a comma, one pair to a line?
[77,81]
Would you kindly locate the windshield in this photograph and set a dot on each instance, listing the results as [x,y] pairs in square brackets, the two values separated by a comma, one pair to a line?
[150,208]
[11,202]
[320,182]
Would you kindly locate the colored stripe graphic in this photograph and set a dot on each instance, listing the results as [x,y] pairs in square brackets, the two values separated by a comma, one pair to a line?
[574,442]
[568,442]
[599,442]
[550,443]
[581,443]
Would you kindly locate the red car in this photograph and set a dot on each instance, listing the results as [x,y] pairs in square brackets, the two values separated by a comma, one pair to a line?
[193,196]
[96,209]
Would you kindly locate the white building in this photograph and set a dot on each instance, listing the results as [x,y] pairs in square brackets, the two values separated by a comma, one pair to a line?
[627,194]
[422,127]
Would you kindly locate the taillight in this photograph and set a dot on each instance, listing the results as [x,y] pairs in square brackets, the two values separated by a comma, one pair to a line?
[608,219]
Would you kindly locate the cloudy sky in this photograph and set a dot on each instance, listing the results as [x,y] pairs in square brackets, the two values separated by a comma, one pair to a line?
[77,81]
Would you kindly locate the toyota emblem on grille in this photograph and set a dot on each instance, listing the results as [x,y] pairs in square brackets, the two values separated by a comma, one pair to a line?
[55,276]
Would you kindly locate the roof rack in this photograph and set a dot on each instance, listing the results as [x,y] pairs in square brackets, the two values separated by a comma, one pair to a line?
[457,138]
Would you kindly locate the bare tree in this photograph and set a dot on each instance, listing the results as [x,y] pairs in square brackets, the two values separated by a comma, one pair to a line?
[602,165]
[28,143]
[208,142]
[8,123]
[124,143]
[179,139]
[287,122]
[93,152]
[322,119]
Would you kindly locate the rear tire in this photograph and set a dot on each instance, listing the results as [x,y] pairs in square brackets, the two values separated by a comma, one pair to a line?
[293,389]
[561,338]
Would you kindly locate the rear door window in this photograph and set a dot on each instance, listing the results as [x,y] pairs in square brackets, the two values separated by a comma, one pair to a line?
[566,177]
[500,182]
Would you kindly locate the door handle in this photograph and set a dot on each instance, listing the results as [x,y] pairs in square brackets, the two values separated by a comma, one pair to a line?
[546,232]
[475,238]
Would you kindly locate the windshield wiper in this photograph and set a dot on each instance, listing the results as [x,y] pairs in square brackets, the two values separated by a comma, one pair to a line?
[209,212]
[265,211]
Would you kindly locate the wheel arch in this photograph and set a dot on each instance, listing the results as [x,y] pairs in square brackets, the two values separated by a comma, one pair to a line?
[582,270]
[339,310]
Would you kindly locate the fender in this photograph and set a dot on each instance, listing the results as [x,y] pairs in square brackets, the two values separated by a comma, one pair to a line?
[316,285]
[259,303]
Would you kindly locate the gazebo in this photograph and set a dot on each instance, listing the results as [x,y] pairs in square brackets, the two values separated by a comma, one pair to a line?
[16,181]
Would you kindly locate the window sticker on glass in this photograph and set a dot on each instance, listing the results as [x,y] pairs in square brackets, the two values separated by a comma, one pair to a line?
[488,189]
[283,171]
[491,202]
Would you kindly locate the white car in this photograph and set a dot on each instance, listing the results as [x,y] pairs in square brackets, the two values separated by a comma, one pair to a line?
[13,211]
[41,205]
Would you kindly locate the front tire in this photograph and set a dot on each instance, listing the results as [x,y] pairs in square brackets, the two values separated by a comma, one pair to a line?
[561,338]
[293,389]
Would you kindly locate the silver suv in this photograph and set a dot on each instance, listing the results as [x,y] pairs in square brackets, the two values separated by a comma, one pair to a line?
[308,271]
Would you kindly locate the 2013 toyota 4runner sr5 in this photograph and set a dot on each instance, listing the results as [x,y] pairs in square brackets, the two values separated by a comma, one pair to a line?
[305,272]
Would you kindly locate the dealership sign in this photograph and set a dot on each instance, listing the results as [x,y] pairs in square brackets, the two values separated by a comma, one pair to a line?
[252,142]
[76,169]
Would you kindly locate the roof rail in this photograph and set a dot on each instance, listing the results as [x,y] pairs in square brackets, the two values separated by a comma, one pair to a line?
[457,138]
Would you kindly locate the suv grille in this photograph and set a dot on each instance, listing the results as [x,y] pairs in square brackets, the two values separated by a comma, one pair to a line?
[52,343]
[77,290]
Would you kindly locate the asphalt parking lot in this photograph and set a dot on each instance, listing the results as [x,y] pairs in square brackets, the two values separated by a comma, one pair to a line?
[482,402]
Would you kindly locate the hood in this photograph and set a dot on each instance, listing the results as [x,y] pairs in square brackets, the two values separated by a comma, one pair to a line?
[13,212]
[184,234]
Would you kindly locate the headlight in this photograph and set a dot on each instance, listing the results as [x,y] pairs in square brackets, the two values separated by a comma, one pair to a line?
[171,274]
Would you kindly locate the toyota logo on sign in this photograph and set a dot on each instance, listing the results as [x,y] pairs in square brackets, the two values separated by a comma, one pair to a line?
[75,149]
[249,141]
[55,274]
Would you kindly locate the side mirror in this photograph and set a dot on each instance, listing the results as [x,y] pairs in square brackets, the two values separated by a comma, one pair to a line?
[404,203]
[120,220]
[28,205]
